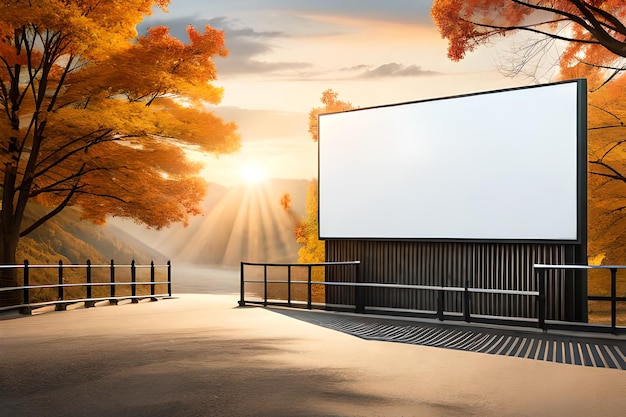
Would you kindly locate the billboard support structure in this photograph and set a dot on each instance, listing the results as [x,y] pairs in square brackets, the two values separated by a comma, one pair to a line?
[522,198]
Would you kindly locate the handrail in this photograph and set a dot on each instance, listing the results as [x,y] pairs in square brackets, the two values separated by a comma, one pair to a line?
[613,298]
[548,266]
[81,284]
[401,286]
[359,299]
[309,282]
[70,266]
[539,294]
[61,302]
[302,264]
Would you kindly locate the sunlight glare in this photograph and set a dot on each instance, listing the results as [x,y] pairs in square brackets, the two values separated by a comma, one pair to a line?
[252,174]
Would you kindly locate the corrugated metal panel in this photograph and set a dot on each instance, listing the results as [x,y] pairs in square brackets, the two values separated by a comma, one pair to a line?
[484,265]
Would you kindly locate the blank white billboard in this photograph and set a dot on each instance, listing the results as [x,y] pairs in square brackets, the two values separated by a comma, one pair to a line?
[501,165]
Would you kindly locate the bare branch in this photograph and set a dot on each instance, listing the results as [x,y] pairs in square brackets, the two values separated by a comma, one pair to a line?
[618,209]
[613,175]
[589,26]
[49,215]
[100,138]
[615,116]
[532,29]
[55,186]
[596,28]
[606,127]
[613,75]
[618,26]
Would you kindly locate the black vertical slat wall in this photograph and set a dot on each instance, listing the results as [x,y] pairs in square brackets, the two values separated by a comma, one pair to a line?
[506,266]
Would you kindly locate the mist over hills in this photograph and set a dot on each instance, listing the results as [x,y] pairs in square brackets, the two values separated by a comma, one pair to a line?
[240,223]
[68,238]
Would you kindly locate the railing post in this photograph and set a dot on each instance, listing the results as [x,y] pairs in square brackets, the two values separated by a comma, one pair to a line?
[541,299]
[89,302]
[309,300]
[26,293]
[358,292]
[466,302]
[614,300]
[289,285]
[169,278]
[242,292]
[133,282]
[440,304]
[60,306]
[113,299]
[264,285]
[152,286]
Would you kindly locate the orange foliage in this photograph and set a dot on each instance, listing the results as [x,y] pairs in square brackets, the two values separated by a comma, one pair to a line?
[331,105]
[306,232]
[594,33]
[595,30]
[607,166]
[95,117]
[285,201]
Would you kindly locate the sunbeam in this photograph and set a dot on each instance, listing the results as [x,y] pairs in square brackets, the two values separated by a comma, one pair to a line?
[247,224]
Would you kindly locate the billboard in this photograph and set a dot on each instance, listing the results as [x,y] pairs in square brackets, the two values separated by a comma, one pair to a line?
[506,165]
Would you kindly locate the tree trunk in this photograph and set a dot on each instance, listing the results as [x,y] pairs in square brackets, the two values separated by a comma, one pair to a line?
[8,278]
[9,238]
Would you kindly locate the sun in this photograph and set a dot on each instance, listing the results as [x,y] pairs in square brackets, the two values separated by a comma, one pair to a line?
[252,174]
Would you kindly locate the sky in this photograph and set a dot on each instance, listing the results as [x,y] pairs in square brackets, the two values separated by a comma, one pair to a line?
[284,53]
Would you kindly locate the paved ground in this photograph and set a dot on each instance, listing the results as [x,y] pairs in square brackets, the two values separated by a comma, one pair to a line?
[201,355]
[573,348]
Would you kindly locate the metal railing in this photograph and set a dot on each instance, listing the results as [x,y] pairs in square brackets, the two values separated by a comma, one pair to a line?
[466,292]
[309,281]
[542,269]
[62,299]
[359,298]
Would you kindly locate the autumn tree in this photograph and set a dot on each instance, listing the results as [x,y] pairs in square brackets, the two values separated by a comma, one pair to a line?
[593,32]
[607,168]
[95,117]
[592,35]
[312,249]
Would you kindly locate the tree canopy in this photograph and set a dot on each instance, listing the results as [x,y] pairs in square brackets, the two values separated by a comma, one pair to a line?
[593,39]
[306,232]
[607,168]
[593,32]
[94,116]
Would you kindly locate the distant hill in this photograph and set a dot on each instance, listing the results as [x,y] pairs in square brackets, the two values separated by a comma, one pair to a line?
[241,223]
[73,241]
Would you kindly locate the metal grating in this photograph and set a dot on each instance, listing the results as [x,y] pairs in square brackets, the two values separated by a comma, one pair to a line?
[600,353]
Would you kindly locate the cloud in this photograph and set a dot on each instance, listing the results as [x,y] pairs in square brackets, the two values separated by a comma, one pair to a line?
[361,67]
[359,72]
[245,65]
[417,12]
[230,27]
[256,41]
[245,45]
[394,69]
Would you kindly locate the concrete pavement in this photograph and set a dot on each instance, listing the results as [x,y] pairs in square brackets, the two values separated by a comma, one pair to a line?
[201,355]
